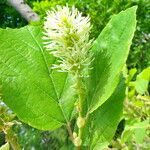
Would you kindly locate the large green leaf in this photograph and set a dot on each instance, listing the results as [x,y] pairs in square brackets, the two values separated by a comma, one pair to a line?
[41,97]
[110,51]
[103,122]
[142,81]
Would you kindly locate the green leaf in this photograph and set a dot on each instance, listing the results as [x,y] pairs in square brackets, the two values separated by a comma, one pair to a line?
[132,72]
[142,81]
[101,146]
[103,122]
[39,96]
[5,147]
[138,130]
[110,50]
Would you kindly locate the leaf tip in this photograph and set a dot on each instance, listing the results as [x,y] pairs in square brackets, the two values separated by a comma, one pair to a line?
[133,9]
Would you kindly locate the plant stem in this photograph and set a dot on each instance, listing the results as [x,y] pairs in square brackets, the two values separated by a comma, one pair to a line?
[80,91]
[71,135]
[70,131]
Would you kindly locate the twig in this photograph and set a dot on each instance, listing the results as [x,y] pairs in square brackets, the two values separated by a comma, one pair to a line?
[24,9]
[70,131]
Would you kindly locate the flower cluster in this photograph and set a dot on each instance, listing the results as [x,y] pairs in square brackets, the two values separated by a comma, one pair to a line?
[66,36]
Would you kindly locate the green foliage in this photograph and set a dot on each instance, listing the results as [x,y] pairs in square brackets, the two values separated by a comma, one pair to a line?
[25,67]
[138,88]
[44,98]
[138,130]
[42,6]
[114,41]
[136,112]
[103,122]
[2,138]
[137,106]
[101,12]
[40,140]
[7,121]
[142,81]
[6,118]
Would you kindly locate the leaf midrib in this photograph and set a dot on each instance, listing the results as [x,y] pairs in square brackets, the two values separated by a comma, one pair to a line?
[49,74]
[121,34]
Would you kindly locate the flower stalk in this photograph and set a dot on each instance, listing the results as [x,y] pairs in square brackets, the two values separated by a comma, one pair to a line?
[66,35]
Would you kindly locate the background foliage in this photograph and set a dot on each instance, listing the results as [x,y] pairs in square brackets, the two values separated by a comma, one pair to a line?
[136,112]
[100,12]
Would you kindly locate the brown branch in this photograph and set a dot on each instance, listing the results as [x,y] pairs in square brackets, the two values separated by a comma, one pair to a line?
[24,9]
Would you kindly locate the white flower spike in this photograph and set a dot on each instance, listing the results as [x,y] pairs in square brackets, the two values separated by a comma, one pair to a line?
[67,38]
